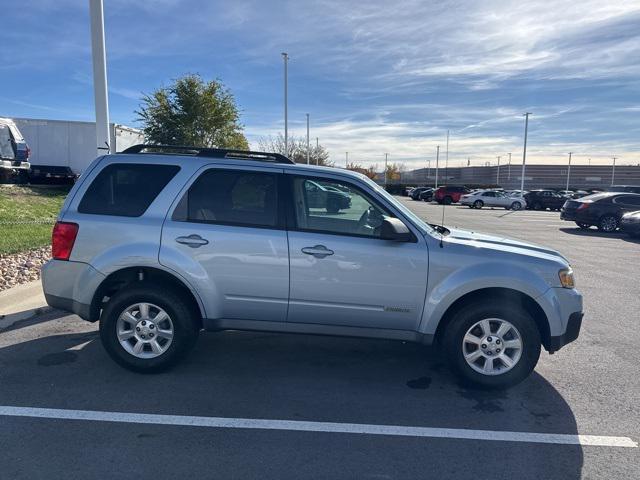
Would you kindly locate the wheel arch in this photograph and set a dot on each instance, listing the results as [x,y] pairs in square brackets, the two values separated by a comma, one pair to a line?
[498,294]
[130,275]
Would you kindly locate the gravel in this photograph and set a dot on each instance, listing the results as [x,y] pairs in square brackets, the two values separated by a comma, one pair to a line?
[17,268]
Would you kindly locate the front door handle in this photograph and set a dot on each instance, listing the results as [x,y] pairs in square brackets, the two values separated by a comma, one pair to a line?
[318,251]
[193,241]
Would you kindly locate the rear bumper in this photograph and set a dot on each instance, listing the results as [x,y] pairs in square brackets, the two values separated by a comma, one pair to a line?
[571,333]
[15,164]
[83,310]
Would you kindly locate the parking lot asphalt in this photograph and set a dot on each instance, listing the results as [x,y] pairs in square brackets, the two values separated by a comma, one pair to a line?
[591,387]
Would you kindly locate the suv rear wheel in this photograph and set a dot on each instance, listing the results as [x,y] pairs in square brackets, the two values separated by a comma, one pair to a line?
[492,346]
[147,328]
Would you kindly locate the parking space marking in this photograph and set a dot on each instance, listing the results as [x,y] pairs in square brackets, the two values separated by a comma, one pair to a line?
[325,427]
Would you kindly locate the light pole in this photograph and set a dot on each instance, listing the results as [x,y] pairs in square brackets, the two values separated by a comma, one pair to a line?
[569,170]
[524,150]
[307,139]
[509,169]
[446,158]
[386,158]
[317,150]
[613,171]
[437,161]
[498,174]
[428,171]
[285,58]
[346,159]
[103,135]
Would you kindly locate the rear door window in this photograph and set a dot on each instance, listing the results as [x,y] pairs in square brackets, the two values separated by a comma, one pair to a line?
[126,189]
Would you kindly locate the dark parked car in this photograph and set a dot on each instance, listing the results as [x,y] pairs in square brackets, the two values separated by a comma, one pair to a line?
[426,195]
[630,223]
[543,199]
[604,210]
[326,196]
[449,195]
[624,188]
[415,193]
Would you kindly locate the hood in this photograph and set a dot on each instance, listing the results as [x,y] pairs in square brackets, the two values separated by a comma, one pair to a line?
[503,243]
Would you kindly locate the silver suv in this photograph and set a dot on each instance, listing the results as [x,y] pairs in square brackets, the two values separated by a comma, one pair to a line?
[159,243]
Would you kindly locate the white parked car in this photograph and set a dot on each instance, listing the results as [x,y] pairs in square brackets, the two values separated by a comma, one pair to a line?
[493,198]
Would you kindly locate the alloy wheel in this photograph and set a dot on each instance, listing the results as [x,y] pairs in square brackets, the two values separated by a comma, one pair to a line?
[145,330]
[492,346]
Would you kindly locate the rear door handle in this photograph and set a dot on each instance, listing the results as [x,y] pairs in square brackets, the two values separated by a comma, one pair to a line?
[318,251]
[193,241]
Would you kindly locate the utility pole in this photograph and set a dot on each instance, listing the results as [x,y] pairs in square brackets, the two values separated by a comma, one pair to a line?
[308,152]
[498,174]
[613,171]
[285,58]
[386,157]
[569,170]
[446,161]
[509,169]
[428,171]
[437,161]
[103,134]
[346,159]
[317,150]
[524,150]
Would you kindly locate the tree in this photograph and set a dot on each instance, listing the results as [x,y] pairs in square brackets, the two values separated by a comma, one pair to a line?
[192,112]
[296,149]
[369,171]
[393,171]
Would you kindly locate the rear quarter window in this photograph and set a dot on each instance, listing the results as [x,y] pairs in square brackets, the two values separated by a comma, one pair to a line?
[126,189]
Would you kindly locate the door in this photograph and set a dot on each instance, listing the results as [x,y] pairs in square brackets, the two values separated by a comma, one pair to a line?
[342,272]
[227,237]
[489,198]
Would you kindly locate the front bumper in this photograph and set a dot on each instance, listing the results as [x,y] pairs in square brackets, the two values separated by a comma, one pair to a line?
[571,333]
[630,227]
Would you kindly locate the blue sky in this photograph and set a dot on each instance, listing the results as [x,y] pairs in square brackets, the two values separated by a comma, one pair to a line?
[376,76]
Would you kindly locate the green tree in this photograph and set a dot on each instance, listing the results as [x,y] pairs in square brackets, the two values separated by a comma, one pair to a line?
[192,112]
[296,149]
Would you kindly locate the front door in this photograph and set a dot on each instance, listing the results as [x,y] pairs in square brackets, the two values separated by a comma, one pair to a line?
[227,238]
[342,272]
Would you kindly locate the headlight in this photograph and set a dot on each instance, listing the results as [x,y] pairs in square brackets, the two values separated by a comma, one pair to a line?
[566,278]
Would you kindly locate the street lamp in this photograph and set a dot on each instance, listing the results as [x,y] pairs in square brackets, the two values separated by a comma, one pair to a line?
[524,150]
[613,171]
[569,170]
[285,58]
[307,139]
[103,136]
[498,174]
[437,161]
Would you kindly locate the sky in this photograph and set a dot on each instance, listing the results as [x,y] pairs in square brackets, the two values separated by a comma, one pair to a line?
[376,77]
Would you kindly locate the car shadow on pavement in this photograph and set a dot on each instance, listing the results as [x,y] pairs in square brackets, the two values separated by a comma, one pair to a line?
[592,232]
[300,377]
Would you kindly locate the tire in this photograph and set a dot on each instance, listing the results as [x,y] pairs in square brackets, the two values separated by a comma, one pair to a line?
[448,200]
[583,226]
[183,318]
[525,328]
[515,206]
[537,206]
[478,204]
[608,223]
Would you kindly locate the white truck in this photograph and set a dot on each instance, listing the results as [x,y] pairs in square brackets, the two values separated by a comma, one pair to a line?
[62,149]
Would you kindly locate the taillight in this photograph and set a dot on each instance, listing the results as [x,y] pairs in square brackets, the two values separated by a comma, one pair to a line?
[583,206]
[62,240]
[28,153]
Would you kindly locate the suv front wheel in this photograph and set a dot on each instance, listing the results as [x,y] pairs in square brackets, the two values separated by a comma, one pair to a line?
[492,346]
[147,328]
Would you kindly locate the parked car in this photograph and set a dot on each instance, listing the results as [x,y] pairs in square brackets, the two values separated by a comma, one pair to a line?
[604,210]
[630,223]
[579,194]
[493,198]
[566,193]
[415,193]
[158,247]
[544,199]
[427,195]
[325,196]
[623,188]
[448,194]
[14,151]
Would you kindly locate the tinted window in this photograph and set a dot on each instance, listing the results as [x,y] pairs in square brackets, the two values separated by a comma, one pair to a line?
[125,189]
[331,206]
[232,197]
[628,200]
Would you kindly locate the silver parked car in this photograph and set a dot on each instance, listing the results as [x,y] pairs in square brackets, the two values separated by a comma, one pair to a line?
[158,247]
[493,198]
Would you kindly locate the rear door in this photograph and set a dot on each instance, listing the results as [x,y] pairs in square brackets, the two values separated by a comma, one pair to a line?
[342,272]
[226,234]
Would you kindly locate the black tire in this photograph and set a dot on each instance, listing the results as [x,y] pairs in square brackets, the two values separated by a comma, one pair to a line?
[537,206]
[515,206]
[448,200]
[466,317]
[478,204]
[583,226]
[608,223]
[184,318]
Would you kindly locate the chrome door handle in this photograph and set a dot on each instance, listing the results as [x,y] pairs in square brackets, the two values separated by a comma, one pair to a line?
[318,251]
[193,241]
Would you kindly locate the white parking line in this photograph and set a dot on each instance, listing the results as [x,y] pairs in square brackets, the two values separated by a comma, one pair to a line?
[327,427]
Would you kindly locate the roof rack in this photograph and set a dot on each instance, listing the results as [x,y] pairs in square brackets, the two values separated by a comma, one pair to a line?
[209,152]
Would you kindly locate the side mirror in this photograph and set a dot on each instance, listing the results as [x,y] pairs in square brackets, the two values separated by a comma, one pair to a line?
[393,229]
